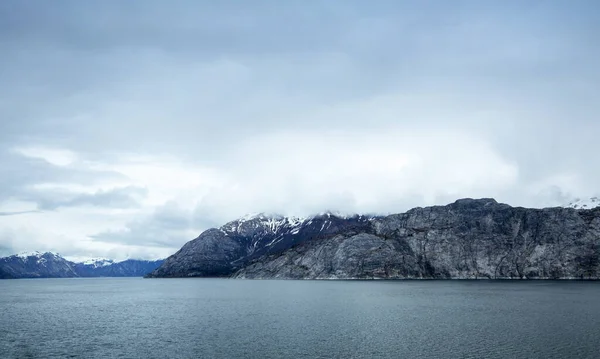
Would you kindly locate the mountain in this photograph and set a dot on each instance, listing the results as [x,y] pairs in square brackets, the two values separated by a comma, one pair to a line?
[220,252]
[51,265]
[108,268]
[470,238]
[37,265]
[4,275]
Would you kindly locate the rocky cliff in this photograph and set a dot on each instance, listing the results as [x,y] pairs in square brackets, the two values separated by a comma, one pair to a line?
[466,239]
[220,252]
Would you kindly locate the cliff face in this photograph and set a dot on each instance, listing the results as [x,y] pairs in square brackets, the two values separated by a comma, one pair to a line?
[475,238]
[466,239]
[221,252]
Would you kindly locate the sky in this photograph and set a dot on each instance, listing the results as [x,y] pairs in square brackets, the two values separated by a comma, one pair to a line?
[129,127]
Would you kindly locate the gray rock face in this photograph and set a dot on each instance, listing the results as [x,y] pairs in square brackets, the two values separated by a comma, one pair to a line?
[343,256]
[221,252]
[481,238]
[467,239]
[212,254]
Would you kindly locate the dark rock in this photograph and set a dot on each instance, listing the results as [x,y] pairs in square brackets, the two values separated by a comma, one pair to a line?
[220,252]
[40,265]
[470,238]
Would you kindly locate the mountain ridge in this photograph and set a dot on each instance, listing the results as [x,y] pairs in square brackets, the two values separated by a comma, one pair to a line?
[52,265]
[469,238]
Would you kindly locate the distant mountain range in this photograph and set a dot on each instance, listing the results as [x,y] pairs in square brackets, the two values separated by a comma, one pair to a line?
[470,238]
[51,265]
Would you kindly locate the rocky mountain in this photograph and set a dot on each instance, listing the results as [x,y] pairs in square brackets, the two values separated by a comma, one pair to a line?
[470,238]
[51,265]
[221,251]
[37,265]
[4,275]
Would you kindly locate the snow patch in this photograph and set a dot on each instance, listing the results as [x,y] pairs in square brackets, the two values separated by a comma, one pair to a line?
[25,255]
[585,203]
[35,254]
[98,262]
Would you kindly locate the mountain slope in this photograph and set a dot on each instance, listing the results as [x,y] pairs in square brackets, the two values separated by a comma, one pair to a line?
[466,239]
[37,265]
[127,268]
[222,251]
[50,265]
[4,275]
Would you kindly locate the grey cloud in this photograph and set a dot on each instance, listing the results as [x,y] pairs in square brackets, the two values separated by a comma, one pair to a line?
[6,243]
[203,28]
[5,251]
[125,197]
[201,81]
[321,54]
[168,226]
[15,213]
[19,176]
[22,170]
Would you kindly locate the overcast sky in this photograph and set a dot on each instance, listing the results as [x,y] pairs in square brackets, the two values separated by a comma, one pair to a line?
[128,127]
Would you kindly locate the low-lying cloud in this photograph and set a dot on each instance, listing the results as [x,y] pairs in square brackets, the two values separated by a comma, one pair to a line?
[128,129]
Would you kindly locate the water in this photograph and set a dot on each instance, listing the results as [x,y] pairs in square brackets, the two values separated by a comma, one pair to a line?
[220,318]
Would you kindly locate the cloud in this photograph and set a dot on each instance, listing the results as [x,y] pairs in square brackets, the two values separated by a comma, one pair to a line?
[15,213]
[19,173]
[358,172]
[167,226]
[47,178]
[6,248]
[125,197]
[135,126]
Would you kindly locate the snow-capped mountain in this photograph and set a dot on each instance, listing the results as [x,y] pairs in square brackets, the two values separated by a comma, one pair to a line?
[37,264]
[52,265]
[265,233]
[250,237]
[585,203]
[469,238]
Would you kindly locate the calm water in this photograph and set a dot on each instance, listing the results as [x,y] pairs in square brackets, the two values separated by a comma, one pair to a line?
[220,318]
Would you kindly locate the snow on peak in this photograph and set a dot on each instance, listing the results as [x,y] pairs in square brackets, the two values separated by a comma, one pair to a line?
[295,221]
[25,255]
[260,216]
[585,203]
[271,221]
[98,262]
[36,254]
[337,214]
